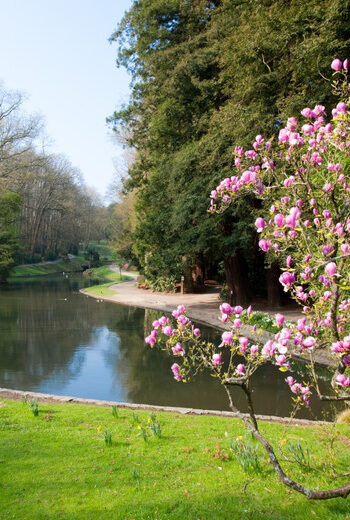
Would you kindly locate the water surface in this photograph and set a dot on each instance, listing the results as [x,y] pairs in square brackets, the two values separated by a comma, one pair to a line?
[55,340]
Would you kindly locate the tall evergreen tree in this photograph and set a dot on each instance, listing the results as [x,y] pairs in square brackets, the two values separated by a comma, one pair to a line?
[206,76]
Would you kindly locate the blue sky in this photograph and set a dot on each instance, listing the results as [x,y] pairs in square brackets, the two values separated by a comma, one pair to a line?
[56,52]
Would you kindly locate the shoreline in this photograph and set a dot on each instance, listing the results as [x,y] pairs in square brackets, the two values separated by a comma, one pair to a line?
[22,395]
[203,308]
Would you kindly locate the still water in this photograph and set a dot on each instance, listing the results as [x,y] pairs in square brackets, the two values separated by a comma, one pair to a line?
[55,340]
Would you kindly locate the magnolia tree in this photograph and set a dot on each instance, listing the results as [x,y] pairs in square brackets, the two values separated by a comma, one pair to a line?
[303,178]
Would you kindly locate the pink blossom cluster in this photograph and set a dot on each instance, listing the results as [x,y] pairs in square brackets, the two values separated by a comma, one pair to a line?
[308,229]
[175,336]
[308,225]
[342,380]
[302,392]
[227,312]
[176,371]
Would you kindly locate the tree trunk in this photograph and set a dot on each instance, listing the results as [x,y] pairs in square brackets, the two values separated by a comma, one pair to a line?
[274,289]
[200,271]
[237,280]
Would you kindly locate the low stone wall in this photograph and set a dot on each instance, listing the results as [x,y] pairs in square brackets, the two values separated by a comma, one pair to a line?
[19,395]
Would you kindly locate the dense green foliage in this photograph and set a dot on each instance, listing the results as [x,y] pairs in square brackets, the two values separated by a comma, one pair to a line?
[9,210]
[207,75]
[61,464]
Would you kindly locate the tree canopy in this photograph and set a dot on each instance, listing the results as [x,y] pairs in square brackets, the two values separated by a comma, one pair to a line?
[206,75]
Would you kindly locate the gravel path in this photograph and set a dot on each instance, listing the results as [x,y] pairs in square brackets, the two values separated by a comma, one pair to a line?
[202,308]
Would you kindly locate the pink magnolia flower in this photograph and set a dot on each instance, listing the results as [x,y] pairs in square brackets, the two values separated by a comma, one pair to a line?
[225,308]
[279,220]
[178,350]
[176,371]
[254,349]
[268,349]
[309,342]
[167,330]
[227,337]
[150,340]
[238,310]
[279,318]
[183,319]
[319,109]
[341,107]
[264,245]
[292,124]
[308,113]
[327,249]
[287,279]
[292,218]
[216,359]
[331,269]
[260,224]
[237,323]
[308,129]
[336,64]
[342,380]
[240,369]
[281,359]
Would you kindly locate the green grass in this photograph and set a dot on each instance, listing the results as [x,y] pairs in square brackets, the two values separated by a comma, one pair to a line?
[21,273]
[103,250]
[262,320]
[101,290]
[105,277]
[83,462]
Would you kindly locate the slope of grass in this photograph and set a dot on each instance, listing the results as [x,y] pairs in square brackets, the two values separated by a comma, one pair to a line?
[21,272]
[83,462]
[103,250]
[104,277]
[105,274]
[101,289]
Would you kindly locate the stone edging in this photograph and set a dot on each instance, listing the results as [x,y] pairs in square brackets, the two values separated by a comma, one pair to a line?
[18,395]
[247,330]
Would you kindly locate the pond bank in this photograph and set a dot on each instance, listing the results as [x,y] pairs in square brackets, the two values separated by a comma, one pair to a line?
[203,308]
[19,395]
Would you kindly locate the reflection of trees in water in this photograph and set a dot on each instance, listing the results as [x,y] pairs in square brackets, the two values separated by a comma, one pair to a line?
[47,331]
[42,327]
[151,380]
[128,324]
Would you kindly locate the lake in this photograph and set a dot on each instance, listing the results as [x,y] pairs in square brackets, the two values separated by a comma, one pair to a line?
[57,340]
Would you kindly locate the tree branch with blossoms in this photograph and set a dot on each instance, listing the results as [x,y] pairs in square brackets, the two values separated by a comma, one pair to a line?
[303,178]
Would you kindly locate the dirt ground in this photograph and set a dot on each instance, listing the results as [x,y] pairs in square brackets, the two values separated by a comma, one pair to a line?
[201,307]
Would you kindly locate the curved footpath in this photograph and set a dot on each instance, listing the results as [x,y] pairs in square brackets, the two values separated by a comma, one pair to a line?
[203,308]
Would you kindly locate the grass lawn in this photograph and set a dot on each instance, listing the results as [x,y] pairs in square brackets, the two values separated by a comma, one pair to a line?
[103,250]
[102,289]
[58,465]
[105,278]
[20,272]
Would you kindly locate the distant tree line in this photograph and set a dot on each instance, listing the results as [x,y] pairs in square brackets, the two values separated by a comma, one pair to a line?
[207,75]
[45,209]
